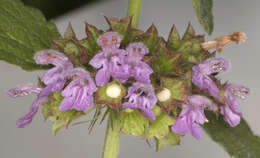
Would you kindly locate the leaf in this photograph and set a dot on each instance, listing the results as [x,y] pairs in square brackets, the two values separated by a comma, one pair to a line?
[133,123]
[203,9]
[23,31]
[239,141]
[171,139]
[160,127]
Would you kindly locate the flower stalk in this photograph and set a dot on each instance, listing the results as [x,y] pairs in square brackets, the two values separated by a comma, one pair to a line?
[112,138]
[134,7]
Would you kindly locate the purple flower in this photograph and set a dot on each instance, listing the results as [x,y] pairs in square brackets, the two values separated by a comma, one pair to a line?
[141,96]
[23,91]
[192,115]
[109,59]
[133,66]
[79,93]
[54,79]
[201,72]
[231,110]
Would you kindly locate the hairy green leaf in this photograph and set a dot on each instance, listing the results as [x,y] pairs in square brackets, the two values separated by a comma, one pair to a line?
[239,141]
[203,9]
[23,31]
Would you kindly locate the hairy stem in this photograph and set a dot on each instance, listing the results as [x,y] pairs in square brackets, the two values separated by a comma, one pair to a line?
[112,139]
[134,7]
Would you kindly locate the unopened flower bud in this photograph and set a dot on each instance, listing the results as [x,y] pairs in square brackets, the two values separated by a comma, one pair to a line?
[164,95]
[113,91]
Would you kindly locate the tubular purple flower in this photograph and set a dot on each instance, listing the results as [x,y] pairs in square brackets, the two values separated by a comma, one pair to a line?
[141,96]
[231,110]
[201,72]
[79,93]
[192,115]
[133,66]
[108,60]
[56,77]
[26,90]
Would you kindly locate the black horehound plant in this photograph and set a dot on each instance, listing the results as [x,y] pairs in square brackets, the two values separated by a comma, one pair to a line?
[147,86]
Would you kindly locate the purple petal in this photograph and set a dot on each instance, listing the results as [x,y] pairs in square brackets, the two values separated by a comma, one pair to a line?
[98,60]
[137,49]
[233,104]
[129,105]
[232,118]
[198,100]
[142,72]
[196,131]
[238,90]
[213,65]
[148,113]
[79,93]
[50,57]
[141,96]
[66,104]
[26,119]
[24,90]
[102,77]
[109,39]
[181,125]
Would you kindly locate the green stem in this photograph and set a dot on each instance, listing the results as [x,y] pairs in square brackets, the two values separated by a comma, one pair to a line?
[134,7]
[112,139]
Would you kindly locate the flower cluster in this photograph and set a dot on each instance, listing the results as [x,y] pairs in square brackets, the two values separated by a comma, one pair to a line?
[78,94]
[77,85]
[180,99]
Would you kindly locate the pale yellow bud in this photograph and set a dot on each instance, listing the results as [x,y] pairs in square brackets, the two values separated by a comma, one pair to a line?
[113,91]
[164,95]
